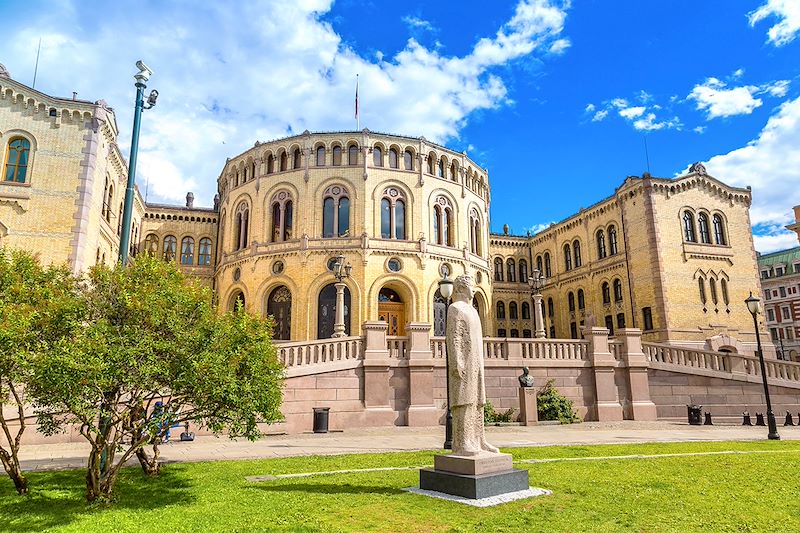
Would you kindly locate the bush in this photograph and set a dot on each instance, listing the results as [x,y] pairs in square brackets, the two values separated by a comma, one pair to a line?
[490,416]
[553,406]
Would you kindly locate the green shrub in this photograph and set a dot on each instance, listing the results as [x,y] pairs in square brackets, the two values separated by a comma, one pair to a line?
[490,416]
[553,406]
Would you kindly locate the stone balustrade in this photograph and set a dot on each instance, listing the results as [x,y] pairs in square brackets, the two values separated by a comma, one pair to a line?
[397,347]
[308,357]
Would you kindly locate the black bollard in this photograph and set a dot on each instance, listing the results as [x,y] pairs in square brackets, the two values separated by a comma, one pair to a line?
[746,419]
[760,419]
[694,412]
[707,421]
[789,421]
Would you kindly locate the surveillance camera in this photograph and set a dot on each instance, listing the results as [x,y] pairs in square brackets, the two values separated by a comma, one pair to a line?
[144,72]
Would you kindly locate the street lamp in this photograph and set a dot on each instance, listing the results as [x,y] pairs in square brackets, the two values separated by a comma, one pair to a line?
[341,271]
[446,290]
[141,84]
[536,281]
[754,306]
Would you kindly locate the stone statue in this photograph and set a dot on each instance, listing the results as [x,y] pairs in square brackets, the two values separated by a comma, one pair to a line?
[525,380]
[465,358]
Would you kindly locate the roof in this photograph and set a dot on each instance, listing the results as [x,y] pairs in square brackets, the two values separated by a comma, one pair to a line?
[785,257]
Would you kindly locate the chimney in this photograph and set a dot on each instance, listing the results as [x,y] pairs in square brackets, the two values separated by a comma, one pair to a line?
[189,200]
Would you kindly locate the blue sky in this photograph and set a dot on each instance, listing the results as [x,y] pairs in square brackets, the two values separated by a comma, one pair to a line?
[555,98]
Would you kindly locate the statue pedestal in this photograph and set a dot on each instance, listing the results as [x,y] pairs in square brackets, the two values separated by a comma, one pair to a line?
[479,476]
[528,408]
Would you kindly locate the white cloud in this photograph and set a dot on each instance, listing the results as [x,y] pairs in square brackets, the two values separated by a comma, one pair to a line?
[560,46]
[642,118]
[649,123]
[774,242]
[738,73]
[228,77]
[600,115]
[778,88]
[536,228]
[699,129]
[717,101]
[589,108]
[631,112]
[418,23]
[788,11]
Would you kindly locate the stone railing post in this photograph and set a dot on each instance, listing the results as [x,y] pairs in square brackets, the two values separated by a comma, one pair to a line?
[376,373]
[421,407]
[607,406]
[642,406]
[737,363]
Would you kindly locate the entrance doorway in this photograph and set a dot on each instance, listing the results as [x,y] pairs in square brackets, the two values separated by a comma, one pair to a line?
[326,311]
[392,310]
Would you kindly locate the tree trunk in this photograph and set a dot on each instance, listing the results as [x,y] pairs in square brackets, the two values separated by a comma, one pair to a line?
[11,465]
[151,466]
[100,483]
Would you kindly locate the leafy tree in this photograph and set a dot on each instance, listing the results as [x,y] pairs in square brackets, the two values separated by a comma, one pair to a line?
[152,336]
[551,405]
[38,305]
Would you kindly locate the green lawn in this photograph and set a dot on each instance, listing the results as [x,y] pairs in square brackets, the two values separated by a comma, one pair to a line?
[745,492]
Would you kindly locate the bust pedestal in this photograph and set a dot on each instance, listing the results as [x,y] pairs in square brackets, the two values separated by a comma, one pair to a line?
[478,476]
[528,408]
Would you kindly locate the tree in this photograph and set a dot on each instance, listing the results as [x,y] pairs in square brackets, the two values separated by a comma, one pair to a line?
[38,306]
[150,335]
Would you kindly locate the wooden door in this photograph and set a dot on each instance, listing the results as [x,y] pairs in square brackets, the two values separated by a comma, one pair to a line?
[394,314]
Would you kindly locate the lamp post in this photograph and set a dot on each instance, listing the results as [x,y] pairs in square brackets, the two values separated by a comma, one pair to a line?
[127,214]
[754,306]
[446,290]
[536,282]
[340,271]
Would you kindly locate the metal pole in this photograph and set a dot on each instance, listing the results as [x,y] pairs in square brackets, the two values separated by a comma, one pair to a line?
[448,424]
[773,428]
[127,215]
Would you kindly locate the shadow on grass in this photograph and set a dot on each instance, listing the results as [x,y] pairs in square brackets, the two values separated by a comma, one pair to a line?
[59,498]
[325,488]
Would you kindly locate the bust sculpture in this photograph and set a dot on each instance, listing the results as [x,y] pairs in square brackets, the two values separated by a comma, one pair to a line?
[465,354]
[525,380]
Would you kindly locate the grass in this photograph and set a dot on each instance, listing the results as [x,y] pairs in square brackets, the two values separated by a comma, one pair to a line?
[743,492]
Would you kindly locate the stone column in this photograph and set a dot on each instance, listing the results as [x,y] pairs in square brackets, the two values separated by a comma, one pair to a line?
[376,375]
[607,406]
[538,310]
[338,325]
[421,408]
[642,406]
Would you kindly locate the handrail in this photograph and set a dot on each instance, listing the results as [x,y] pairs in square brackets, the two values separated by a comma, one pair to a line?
[322,351]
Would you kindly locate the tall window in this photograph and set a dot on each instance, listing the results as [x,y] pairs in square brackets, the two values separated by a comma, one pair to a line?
[242,225]
[512,311]
[601,244]
[612,240]
[723,284]
[296,161]
[454,171]
[17,155]
[571,302]
[702,222]
[335,212]
[282,216]
[393,158]
[620,320]
[606,290]
[647,315]
[581,300]
[270,164]
[284,161]
[377,156]
[440,168]
[511,269]
[576,253]
[498,269]
[712,284]
[539,263]
[204,253]
[393,214]
[610,324]
[352,155]
[337,155]
[567,257]
[523,271]
[526,311]
[431,164]
[547,269]
[109,199]
[119,220]
[701,283]
[279,306]
[617,290]
[170,248]
[719,230]
[551,308]
[501,310]
[408,160]
[443,221]
[474,232]
[320,156]
[151,244]
[187,251]
[688,227]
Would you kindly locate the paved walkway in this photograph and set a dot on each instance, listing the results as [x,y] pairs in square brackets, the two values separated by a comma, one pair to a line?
[73,455]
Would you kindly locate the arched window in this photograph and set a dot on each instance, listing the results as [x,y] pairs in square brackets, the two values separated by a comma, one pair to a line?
[571,301]
[539,264]
[337,155]
[204,253]
[526,311]
[567,257]
[151,244]
[105,207]
[282,216]
[501,310]
[335,212]
[523,271]
[377,156]
[187,251]
[547,269]
[270,164]
[443,221]
[393,214]
[320,157]
[723,283]
[440,168]
[431,164]
[512,311]
[702,286]
[237,302]
[170,248]
[606,290]
[439,313]
[576,253]
[326,311]
[712,283]
[612,240]
[702,223]
[453,172]
[284,161]
[581,300]
[279,306]
[17,156]
[688,227]
[352,155]
[474,232]
[393,158]
[617,290]
[719,231]
[242,226]
[296,161]
[119,220]
[601,244]
[408,160]
[498,269]
[109,199]
[551,308]
[511,270]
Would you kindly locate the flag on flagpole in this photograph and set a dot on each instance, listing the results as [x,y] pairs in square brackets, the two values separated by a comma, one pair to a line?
[357,119]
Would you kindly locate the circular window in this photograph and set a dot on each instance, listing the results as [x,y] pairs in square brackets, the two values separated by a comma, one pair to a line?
[277,267]
[478,277]
[237,274]
[331,264]
[394,264]
[445,270]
